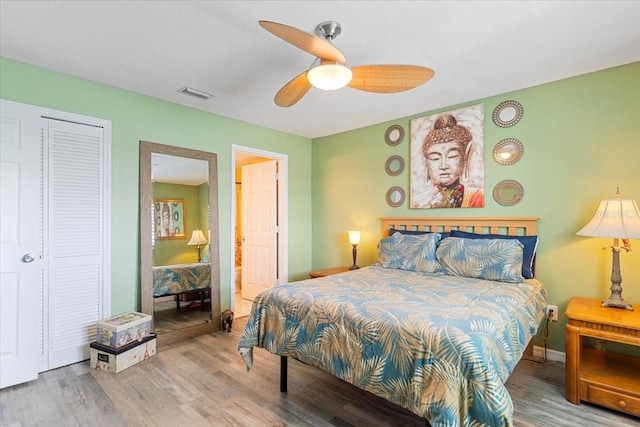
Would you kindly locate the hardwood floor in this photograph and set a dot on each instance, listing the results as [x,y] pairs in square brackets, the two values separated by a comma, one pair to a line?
[167,318]
[203,382]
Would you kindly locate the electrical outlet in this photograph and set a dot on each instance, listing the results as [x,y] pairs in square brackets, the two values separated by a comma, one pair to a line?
[553,309]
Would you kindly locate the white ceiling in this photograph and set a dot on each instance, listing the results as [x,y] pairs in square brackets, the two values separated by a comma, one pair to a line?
[476,48]
[178,170]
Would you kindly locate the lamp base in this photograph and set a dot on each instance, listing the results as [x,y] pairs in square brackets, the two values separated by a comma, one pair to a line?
[617,304]
[354,267]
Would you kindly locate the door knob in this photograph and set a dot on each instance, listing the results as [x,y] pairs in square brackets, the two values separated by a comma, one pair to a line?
[28,258]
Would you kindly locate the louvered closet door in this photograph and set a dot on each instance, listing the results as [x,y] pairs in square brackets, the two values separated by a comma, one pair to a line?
[74,298]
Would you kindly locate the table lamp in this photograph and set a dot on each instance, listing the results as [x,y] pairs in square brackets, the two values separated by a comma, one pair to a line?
[616,218]
[198,240]
[354,239]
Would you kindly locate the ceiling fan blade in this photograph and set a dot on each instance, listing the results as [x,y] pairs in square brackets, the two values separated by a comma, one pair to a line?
[388,78]
[293,91]
[308,42]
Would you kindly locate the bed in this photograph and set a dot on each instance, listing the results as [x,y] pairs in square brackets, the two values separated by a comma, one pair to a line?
[181,280]
[438,333]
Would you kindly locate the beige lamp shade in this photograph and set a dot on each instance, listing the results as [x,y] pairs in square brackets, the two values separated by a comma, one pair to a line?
[197,238]
[617,218]
[354,237]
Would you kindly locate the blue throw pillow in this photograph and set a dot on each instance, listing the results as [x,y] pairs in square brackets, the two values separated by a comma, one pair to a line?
[409,252]
[530,244]
[427,261]
[443,235]
[388,254]
[420,252]
[489,259]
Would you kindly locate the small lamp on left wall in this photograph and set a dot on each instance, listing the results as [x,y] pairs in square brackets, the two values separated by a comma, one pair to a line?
[198,240]
[354,239]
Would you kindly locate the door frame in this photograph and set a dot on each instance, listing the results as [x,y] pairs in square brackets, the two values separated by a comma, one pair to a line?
[283,220]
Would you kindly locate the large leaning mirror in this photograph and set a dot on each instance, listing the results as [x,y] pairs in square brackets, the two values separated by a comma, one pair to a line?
[179,245]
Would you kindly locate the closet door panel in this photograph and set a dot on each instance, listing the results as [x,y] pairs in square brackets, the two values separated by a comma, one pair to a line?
[76,191]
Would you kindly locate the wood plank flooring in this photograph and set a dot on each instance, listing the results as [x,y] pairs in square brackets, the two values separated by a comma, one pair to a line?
[203,382]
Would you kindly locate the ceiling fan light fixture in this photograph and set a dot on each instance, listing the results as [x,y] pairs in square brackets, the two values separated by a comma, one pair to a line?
[328,75]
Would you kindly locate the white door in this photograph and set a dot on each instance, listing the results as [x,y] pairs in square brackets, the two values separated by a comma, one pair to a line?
[259,227]
[75,240]
[21,263]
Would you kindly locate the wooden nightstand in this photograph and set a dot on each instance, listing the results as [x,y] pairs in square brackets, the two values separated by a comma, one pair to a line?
[602,377]
[327,272]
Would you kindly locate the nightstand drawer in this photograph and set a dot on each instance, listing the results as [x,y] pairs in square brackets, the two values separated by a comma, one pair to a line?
[610,398]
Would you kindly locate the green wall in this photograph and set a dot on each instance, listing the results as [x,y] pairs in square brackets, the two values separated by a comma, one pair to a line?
[581,140]
[136,117]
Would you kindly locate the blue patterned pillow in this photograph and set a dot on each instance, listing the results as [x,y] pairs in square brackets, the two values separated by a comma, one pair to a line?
[388,254]
[420,252]
[490,259]
[409,252]
[528,255]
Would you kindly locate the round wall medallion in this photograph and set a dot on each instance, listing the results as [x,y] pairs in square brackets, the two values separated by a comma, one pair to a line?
[394,135]
[507,114]
[508,192]
[508,151]
[394,165]
[395,197]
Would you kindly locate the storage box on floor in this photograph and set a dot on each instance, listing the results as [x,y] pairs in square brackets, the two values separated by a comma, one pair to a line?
[123,329]
[113,360]
[122,341]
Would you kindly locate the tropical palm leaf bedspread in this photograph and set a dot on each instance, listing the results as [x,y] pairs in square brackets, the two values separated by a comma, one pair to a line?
[178,278]
[441,346]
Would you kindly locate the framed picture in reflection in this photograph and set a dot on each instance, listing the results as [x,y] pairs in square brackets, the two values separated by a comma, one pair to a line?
[168,219]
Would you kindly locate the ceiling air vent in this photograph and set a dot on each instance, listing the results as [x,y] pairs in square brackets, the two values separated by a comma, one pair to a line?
[195,92]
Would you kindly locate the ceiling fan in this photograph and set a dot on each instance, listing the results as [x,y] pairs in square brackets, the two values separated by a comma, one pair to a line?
[329,71]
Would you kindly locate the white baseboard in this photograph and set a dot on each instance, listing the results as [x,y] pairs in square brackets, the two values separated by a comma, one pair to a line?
[552,355]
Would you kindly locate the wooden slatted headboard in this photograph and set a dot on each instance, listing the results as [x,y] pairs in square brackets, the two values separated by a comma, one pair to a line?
[510,226]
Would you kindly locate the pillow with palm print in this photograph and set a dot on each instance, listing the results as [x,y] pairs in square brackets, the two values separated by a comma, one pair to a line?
[489,259]
[409,252]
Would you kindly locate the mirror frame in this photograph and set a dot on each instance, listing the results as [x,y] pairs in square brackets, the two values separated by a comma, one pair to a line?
[518,112]
[390,169]
[511,184]
[500,147]
[146,251]
[401,194]
[389,137]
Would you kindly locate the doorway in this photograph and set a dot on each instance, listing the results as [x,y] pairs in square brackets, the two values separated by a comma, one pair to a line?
[245,156]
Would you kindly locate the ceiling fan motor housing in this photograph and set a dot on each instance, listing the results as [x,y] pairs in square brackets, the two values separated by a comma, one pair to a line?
[329,30]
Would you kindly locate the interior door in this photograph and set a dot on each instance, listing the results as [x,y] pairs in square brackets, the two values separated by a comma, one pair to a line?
[21,262]
[259,227]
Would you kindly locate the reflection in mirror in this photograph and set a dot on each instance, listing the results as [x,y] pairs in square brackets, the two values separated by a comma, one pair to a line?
[179,241]
[508,151]
[507,114]
[508,192]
